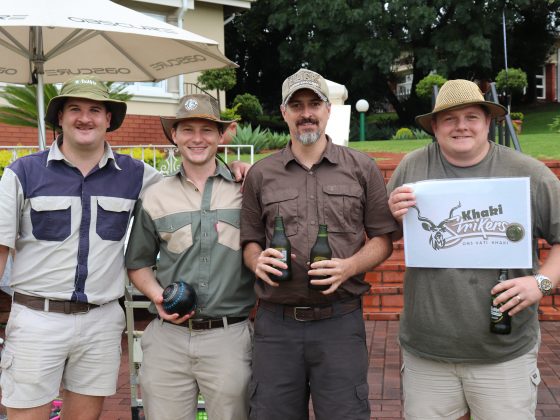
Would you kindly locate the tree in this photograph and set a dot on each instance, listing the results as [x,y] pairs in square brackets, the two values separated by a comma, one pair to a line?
[22,100]
[220,79]
[362,43]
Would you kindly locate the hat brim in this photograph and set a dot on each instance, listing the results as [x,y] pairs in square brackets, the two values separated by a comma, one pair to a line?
[167,123]
[425,120]
[115,107]
[317,92]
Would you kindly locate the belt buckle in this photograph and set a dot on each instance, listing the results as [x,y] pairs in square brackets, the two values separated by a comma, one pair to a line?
[88,307]
[296,312]
[191,328]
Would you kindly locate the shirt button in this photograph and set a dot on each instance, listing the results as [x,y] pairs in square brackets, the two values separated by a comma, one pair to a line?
[312,197]
[205,234]
[310,172]
[313,222]
[196,189]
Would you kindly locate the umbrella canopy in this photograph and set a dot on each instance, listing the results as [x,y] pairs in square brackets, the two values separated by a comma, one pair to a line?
[48,41]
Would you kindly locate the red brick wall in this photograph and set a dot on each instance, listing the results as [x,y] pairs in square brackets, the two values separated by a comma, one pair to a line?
[136,129]
[550,75]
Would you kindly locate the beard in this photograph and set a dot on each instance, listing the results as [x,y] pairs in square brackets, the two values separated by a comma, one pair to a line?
[308,138]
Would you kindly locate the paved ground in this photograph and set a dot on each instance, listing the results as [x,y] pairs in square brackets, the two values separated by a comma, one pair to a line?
[384,377]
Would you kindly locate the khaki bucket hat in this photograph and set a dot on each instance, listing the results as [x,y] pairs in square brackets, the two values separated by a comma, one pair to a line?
[85,87]
[195,106]
[304,79]
[458,94]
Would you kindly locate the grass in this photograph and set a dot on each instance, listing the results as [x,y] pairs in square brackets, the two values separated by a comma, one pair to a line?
[536,139]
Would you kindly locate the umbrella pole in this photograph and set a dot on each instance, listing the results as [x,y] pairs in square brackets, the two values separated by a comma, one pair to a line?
[40,112]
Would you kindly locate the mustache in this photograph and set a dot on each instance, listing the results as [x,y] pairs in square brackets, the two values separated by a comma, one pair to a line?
[307,121]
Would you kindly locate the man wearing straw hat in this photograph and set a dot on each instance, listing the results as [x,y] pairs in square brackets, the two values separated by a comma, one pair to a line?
[453,364]
[191,219]
[309,342]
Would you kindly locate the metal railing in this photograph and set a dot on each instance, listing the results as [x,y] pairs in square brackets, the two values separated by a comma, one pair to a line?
[165,158]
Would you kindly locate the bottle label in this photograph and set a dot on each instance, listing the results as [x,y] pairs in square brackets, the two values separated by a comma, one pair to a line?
[284,252]
[495,314]
[318,258]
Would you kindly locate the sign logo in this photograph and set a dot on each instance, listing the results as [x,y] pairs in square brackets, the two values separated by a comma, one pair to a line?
[471,227]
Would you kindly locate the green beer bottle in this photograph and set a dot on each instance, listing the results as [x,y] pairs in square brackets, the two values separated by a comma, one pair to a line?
[500,323]
[281,243]
[320,251]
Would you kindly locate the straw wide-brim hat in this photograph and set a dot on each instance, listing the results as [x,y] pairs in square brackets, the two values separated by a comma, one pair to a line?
[196,106]
[458,94]
[91,88]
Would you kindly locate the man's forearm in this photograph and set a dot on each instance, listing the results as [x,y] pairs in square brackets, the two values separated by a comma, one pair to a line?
[251,252]
[4,253]
[374,252]
[145,281]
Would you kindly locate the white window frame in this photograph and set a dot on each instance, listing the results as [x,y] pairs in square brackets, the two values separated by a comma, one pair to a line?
[540,83]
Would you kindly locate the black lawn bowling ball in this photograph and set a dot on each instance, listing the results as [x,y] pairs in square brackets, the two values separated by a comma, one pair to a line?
[179,297]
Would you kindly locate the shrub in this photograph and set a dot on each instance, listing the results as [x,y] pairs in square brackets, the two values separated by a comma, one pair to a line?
[515,81]
[230,114]
[249,107]
[555,126]
[246,135]
[403,134]
[383,118]
[517,116]
[277,140]
[148,156]
[420,134]
[424,88]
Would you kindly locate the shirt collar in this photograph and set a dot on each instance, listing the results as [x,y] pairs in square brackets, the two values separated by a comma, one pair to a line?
[221,170]
[56,154]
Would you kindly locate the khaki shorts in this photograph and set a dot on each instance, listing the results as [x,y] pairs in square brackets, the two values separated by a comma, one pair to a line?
[45,349]
[446,391]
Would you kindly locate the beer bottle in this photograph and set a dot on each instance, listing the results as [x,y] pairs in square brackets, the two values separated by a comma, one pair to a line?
[281,243]
[500,322]
[320,251]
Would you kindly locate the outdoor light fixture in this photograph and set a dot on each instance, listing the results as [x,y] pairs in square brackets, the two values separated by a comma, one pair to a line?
[362,106]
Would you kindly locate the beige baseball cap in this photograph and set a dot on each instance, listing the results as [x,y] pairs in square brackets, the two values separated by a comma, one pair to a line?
[304,79]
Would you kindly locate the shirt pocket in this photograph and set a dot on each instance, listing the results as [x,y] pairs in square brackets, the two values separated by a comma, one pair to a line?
[228,228]
[51,218]
[343,207]
[283,203]
[113,214]
[176,232]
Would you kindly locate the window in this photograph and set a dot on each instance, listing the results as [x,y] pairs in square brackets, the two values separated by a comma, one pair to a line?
[540,84]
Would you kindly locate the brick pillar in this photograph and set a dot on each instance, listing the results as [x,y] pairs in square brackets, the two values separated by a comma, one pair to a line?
[550,77]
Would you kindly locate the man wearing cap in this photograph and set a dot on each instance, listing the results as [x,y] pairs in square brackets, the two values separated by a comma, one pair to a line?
[307,342]
[65,211]
[453,364]
[191,219]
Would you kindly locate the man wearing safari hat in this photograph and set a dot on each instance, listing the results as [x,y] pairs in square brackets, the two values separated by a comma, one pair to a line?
[309,342]
[191,220]
[65,211]
[453,365]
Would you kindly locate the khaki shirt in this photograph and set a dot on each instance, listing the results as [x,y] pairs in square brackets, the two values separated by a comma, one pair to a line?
[197,237]
[344,190]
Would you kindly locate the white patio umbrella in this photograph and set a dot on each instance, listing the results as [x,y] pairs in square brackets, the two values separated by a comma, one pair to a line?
[48,41]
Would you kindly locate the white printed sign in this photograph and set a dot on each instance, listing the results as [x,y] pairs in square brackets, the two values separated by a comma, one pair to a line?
[469,223]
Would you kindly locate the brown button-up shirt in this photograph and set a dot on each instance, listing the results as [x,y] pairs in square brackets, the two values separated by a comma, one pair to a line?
[344,190]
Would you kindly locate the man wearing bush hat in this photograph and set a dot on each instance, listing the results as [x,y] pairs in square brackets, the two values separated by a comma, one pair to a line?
[191,220]
[65,211]
[454,367]
[309,342]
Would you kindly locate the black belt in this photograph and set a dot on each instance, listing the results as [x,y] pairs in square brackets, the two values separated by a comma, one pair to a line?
[49,305]
[313,313]
[208,324]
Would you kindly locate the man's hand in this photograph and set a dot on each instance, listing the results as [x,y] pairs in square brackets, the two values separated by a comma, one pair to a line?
[517,294]
[339,270]
[266,262]
[174,318]
[239,170]
[400,200]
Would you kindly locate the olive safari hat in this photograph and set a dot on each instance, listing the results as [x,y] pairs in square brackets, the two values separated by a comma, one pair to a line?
[91,88]
[195,106]
[458,94]
[304,79]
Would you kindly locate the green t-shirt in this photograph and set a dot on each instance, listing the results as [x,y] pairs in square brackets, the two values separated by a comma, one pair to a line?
[446,311]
